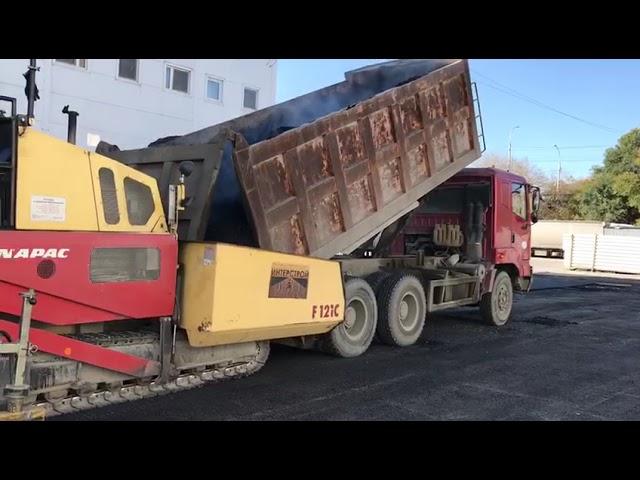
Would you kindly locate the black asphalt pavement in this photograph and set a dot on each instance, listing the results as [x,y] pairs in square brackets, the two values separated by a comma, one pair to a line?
[571,352]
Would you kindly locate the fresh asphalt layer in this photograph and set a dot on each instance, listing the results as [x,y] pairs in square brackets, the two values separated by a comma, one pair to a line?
[571,352]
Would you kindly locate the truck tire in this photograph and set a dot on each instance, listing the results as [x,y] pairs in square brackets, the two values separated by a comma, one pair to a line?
[496,306]
[402,310]
[354,335]
[376,279]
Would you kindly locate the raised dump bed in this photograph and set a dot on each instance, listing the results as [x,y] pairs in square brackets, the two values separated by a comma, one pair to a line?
[323,173]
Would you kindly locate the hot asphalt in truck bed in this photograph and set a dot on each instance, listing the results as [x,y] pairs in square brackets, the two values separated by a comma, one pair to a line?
[571,352]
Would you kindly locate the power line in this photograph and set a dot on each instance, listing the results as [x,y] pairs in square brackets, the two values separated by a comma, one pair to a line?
[541,156]
[572,160]
[510,91]
[544,160]
[542,105]
[514,93]
[573,147]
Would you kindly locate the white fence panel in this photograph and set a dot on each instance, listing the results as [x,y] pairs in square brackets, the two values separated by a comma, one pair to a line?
[606,253]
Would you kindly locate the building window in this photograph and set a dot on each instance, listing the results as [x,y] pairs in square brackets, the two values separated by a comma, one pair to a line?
[177,79]
[214,89]
[77,62]
[128,68]
[119,264]
[250,98]
[140,205]
[519,200]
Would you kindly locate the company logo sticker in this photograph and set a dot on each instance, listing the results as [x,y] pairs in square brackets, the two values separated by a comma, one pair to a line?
[34,253]
[288,281]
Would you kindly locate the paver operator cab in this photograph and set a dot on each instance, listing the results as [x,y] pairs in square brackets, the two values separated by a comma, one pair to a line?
[321,222]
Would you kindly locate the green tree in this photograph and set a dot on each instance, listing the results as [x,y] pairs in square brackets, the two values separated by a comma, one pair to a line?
[613,194]
[600,201]
[564,205]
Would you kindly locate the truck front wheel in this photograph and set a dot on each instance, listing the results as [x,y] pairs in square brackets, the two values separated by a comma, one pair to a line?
[495,306]
[354,335]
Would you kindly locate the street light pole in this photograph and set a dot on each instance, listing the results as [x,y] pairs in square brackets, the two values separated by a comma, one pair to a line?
[559,170]
[510,134]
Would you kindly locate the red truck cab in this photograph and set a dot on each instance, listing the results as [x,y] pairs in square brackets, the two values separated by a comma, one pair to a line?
[502,204]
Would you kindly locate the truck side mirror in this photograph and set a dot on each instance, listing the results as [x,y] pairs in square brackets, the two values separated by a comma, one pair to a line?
[535,203]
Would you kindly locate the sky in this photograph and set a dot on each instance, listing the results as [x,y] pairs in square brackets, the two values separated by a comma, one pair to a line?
[582,106]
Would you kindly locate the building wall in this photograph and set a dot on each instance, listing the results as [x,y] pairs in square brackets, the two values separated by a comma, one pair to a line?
[131,114]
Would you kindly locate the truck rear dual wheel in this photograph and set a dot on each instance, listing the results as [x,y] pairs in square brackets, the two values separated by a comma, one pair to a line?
[354,335]
[496,306]
[402,309]
[376,279]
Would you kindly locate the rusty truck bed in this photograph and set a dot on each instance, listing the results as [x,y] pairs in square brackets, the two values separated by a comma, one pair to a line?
[321,174]
[327,187]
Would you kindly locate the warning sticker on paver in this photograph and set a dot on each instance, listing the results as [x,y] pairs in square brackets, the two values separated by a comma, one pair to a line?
[48,209]
[207,258]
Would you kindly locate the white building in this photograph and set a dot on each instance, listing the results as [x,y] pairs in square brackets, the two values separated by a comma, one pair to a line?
[130,103]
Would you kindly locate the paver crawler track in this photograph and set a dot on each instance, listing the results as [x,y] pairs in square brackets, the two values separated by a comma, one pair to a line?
[149,388]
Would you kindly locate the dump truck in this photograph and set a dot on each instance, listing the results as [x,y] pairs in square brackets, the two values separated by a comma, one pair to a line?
[131,273]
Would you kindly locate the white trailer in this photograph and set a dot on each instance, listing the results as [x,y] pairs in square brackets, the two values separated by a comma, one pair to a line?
[546,235]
